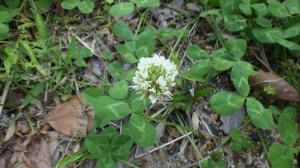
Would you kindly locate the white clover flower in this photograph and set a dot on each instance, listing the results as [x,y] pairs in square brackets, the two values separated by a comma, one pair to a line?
[155,76]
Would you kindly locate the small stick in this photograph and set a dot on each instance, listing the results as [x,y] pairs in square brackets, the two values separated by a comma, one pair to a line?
[4,94]
[84,43]
[164,145]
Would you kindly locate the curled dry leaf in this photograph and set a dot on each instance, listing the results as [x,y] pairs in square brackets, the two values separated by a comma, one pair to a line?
[283,90]
[70,118]
[10,130]
[38,153]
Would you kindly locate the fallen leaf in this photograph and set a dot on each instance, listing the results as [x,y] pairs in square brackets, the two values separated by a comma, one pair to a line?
[69,118]
[10,130]
[283,90]
[160,129]
[38,153]
[233,121]
[195,121]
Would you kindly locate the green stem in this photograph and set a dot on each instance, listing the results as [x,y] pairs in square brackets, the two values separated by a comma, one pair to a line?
[128,163]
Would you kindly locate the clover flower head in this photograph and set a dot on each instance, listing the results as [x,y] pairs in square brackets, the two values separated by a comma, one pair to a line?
[155,77]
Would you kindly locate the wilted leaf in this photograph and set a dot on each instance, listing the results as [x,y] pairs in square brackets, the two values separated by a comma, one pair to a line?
[69,118]
[283,90]
[233,121]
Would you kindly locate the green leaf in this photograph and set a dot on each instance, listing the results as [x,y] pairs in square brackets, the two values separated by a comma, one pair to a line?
[226,103]
[236,47]
[245,8]
[198,72]
[261,117]
[142,132]
[86,6]
[43,4]
[4,28]
[71,158]
[130,74]
[210,12]
[121,146]
[166,33]
[127,55]
[119,90]
[31,54]
[109,109]
[115,69]
[229,7]
[221,64]
[293,6]
[121,9]
[13,3]
[239,76]
[90,95]
[267,35]
[147,3]
[107,56]
[222,53]
[277,9]
[138,102]
[235,22]
[6,16]
[263,22]
[292,31]
[145,45]
[72,51]
[106,161]
[281,156]
[122,30]
[11,59]
[196,53]
[84,53]
[260,9]
[289,44]
[287,126]
[41,26]
[33,94]
[68,4]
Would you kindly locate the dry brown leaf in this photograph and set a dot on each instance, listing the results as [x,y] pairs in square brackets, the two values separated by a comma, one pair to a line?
[70,118]
[283,90]
[10,130]
[39,154]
